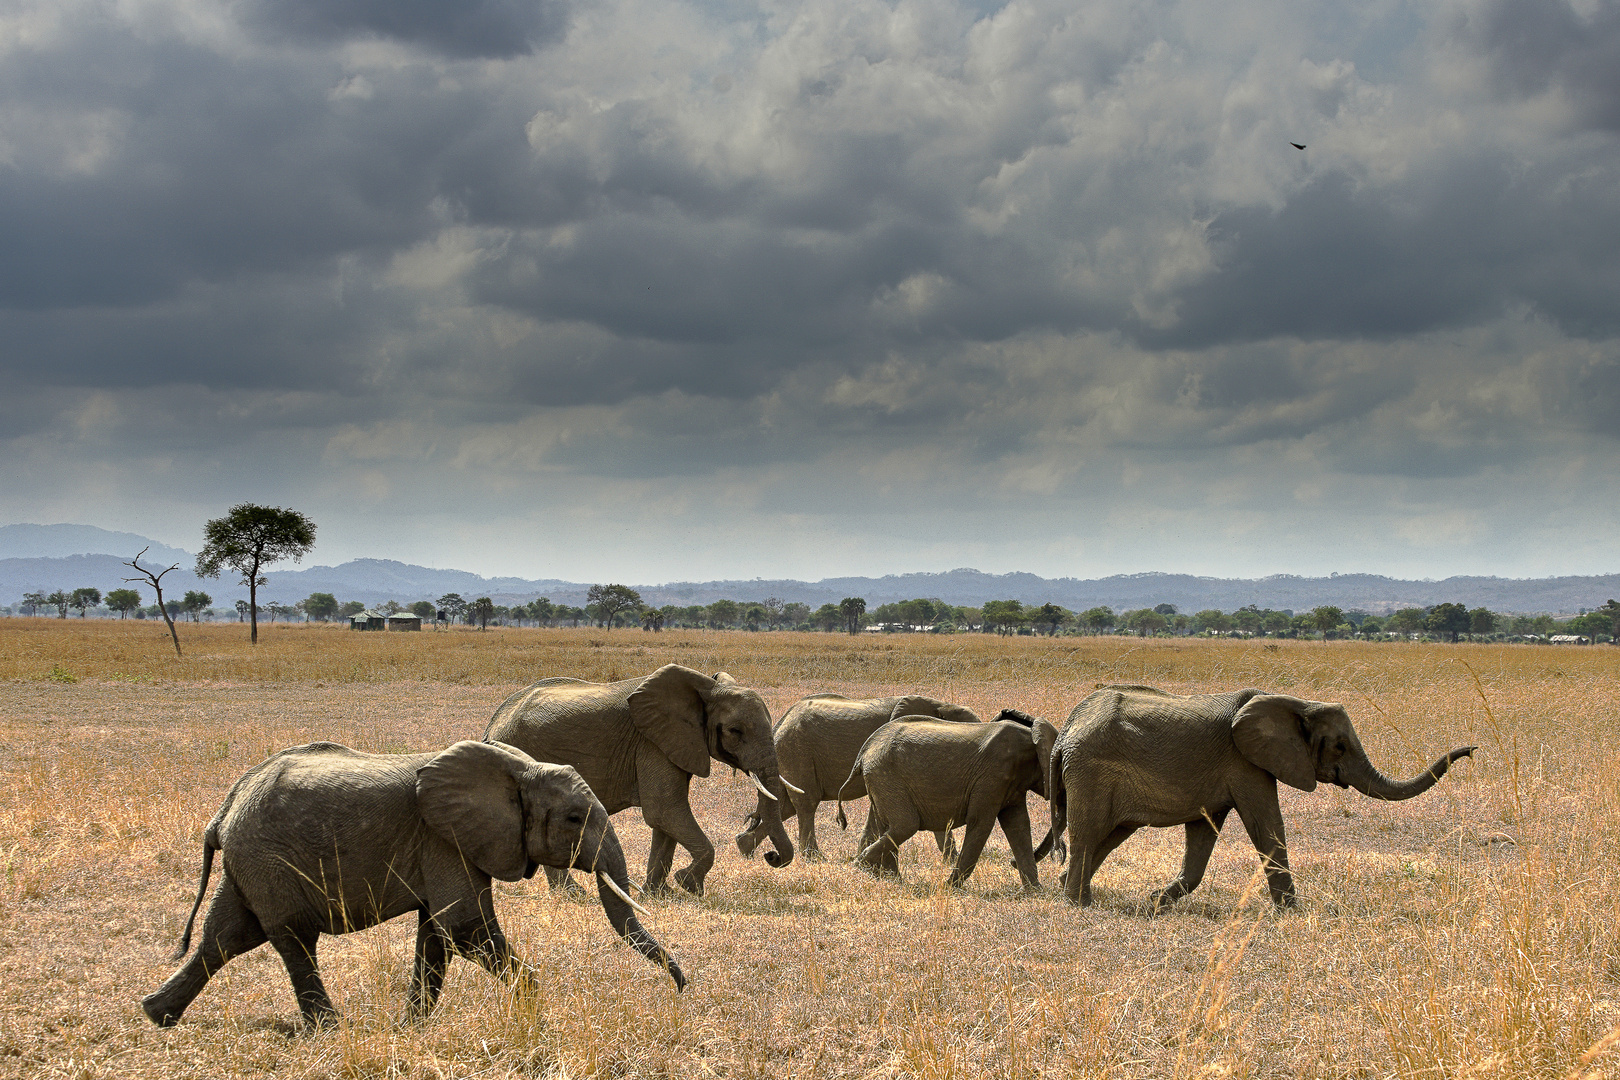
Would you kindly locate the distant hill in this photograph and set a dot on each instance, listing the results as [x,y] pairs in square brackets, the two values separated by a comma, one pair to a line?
[59,541]
[374,581]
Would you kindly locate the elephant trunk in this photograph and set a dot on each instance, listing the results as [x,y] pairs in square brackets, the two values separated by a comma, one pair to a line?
[766,821]
[606,858]
[1363,775]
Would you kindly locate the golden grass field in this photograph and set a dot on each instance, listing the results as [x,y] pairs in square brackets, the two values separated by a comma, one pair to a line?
[1474,931]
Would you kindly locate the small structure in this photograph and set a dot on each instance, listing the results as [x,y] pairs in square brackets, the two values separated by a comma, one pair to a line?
[1569,639]
[369,620]
[404,620]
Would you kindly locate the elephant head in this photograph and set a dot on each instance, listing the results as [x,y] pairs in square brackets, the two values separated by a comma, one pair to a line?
[510,814]
[1303,742]
[693,718]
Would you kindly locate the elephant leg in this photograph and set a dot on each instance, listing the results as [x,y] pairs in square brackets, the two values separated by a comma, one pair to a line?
[427,977]
[805,807]
[874,828]
[229,929]
[673,826]
[482,942]
[1201,837]
[1263,820]
[882,855]
[1016,828]
[945,840]
[1087,854]
[297,945]
[973,841]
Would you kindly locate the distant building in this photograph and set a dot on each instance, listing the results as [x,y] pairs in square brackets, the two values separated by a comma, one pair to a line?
[404,620]
[371,620]
[1569,639]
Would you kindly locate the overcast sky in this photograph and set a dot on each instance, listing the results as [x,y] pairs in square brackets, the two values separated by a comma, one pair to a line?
[643,290]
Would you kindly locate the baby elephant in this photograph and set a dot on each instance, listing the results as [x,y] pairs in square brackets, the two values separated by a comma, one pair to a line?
[923,773]
[321,839]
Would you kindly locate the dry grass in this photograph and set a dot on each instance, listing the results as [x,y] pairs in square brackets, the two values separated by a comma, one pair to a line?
[1474,931]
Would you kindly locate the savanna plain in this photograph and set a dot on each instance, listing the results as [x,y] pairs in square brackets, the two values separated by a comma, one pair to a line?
[1473,931]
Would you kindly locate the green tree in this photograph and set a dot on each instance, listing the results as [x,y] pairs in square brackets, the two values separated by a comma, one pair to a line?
[1145,621]
[392,607]
[1409,620]
[1371,625]
[1449,619]
[481,611]
[1481,621]
[423,609]
[853,609]
[123,601]
[60,601]
[1612,611]
[1164,609]
[194,603]
[350,608]
[1326,619]
[453,606]
[1248,619]
[610,600]
[1053,617]
[1004,616]
[828,617]
[83,600]
[795,614]
[1098,619]
[1212,619]
[321,606]
[33,601]
[249,538]
[542,611]
[754,615]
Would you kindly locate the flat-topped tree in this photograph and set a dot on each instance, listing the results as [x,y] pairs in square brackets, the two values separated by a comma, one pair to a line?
[249,538]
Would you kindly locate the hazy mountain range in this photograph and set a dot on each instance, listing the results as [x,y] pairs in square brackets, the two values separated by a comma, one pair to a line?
[45,558]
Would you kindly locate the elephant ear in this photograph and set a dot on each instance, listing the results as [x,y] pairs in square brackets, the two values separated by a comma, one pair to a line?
[670,709]
[1267,731]
[724,678]
[915,705]
[469,796]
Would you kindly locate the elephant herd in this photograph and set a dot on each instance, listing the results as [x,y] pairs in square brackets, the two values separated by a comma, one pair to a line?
[322,839]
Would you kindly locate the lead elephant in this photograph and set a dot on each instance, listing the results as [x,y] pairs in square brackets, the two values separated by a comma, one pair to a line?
[1130,756]
[816,743]
[639,742]
[922,773]
[321,839]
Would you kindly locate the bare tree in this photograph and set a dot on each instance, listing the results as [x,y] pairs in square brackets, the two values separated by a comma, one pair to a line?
[156,581]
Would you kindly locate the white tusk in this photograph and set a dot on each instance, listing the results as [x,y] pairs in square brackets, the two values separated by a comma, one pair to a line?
[791,787]
[621,894]
[763,790]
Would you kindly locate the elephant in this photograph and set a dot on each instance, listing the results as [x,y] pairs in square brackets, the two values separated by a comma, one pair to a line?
[816,743]
[924,773]
[639,742]
[322,839]
[1132,756]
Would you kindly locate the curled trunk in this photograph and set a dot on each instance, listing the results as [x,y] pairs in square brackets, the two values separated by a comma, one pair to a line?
[1362,775]
[609,863]
[766,823]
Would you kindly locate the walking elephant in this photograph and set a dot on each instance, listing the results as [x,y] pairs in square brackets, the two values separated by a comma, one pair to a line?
[816,743]
[1131,756]
[923,773]
[639,742]
[321,839]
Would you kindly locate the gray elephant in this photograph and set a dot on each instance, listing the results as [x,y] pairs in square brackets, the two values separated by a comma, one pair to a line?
[1130,756]
[639,742]
[923,773]
[321,839]
[816,743]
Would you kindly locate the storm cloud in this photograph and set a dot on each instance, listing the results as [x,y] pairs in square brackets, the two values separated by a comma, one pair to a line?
[1046,283]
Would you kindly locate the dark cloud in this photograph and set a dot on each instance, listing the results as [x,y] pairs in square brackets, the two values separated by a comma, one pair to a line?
[1537,45]
[460,28]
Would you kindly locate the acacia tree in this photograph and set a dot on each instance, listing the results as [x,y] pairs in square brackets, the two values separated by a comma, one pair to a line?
[612,599]
[195,603]
[249,538]
[320,606]
[83,600]
[156,581]
[1449,619]
[123,601]
[1325,618]
[33,601]
[60,601]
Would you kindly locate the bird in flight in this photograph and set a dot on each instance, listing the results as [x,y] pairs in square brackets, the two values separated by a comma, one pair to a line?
[1297,146]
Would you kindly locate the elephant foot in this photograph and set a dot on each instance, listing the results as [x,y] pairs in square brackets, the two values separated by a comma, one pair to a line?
[158,1011]
[746,843]
[689,881]
[813,854]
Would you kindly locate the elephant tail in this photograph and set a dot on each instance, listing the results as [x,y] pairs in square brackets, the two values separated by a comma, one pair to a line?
[839,818]
[1058,797]
[210,845]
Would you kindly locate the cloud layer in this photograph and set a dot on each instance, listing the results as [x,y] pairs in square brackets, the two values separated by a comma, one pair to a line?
[633,290]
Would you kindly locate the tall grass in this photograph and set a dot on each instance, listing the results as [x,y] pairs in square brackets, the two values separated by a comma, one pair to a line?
[1469,932]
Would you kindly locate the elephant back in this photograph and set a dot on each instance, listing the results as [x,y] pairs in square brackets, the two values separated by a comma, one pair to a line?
[573,722]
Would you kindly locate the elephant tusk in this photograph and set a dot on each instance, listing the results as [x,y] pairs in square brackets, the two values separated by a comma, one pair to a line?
[763,790]
[621,894]
[792,787]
